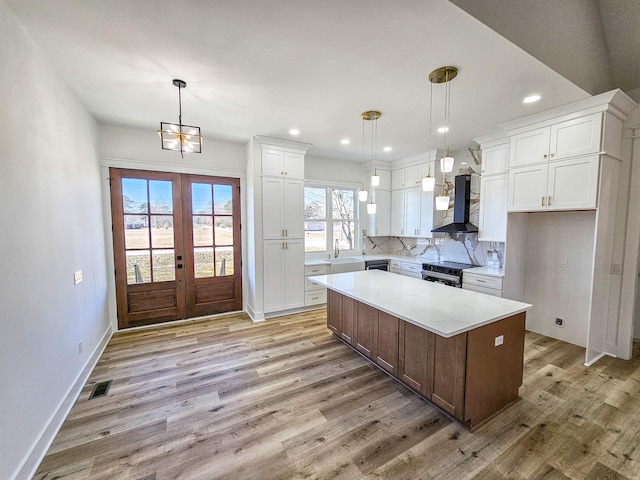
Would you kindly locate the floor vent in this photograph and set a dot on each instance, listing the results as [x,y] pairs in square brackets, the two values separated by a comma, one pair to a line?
[100,389]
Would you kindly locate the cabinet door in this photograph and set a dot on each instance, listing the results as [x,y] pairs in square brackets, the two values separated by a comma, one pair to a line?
[293,165]
[495,159]
[412,198]
[398,179]
[493,208]
[386,351]
[413,366]
[528,188]
[573,184]
[529,147]
[413,176]
[380,222]
[293,266]
[449,360]
[272,162]
[334,312]
[576,137]
[272,208]
[366,321]
[427,214]
[293,207]
[397,213]
[274,274]
[348,319]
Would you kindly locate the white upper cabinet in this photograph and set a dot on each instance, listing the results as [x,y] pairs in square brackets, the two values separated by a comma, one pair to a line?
[378,224]
[278,163]
[495,159]
[578,136]
[282,208]
[493,208]
[564,185]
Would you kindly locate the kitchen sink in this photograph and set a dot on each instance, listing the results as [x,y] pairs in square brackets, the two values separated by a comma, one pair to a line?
[346,264]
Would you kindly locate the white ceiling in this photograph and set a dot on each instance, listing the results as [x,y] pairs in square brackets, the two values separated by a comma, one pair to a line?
[261,67]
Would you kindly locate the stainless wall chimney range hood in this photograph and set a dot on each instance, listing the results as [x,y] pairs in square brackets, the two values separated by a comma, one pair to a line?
[461,200]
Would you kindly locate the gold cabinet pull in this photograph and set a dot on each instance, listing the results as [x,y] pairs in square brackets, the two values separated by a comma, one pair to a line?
[542,202]
[549,201]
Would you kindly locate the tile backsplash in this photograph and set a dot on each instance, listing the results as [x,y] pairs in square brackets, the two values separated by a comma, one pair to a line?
[457,247]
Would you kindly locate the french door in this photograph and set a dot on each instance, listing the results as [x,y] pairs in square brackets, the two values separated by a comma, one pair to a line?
[176,242]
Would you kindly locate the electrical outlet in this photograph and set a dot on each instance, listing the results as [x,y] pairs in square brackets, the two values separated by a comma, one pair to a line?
[616,269]
[559,322]
[77,277]
[79,347]
[499,340]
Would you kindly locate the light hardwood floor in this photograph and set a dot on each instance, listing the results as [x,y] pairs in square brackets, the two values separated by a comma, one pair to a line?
[226,399]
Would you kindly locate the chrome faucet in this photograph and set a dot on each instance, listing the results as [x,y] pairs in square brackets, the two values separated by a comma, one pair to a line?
[336,249]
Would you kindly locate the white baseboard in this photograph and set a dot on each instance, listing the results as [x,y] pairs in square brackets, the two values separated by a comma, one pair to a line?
[42,444]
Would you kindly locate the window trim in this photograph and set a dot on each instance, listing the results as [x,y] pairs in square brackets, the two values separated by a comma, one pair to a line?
[329,187]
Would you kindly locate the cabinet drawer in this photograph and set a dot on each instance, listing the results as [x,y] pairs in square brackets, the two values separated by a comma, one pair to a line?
[482,280]
[315,297]
[412,267]
[315,269]
[407,273]
[480,289]
[395,264]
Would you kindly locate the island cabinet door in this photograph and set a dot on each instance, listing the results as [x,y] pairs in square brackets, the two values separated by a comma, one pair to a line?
[448,357]
[366,321]
[386,351]
[495,357]
[414,370]
[334,312]
[348,319]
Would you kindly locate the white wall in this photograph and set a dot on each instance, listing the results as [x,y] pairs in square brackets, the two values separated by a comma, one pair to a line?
[51,226]
[336,172]
[553,290]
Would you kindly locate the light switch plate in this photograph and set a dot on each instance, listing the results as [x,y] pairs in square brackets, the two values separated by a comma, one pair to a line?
[77,277]
[499,340]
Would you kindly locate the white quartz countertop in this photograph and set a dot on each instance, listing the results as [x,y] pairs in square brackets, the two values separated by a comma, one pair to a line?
[443,310]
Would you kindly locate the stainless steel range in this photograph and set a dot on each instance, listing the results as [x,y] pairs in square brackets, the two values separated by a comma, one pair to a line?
[447,273]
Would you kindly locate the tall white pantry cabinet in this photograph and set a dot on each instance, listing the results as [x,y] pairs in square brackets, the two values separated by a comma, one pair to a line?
[275,237]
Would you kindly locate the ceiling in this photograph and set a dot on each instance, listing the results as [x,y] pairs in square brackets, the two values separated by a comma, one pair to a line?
[263,67]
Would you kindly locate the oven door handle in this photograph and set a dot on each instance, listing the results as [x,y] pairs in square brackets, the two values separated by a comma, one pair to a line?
[441,276]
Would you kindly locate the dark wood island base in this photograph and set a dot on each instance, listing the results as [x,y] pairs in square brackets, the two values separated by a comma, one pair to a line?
[470,376]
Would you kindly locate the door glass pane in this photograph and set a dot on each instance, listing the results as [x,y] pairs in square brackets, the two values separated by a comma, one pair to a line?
[224,261]
[164,268]
[202,231]
[223,200]
[136,233]
[161,196]
[224,230]
[203,262]
[161,231]
[201,198]
[134,196]
[138,267]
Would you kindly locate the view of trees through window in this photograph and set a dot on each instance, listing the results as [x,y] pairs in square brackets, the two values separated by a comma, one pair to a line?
[341,222]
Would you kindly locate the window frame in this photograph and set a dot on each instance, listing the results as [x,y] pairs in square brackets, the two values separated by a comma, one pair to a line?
[329,220]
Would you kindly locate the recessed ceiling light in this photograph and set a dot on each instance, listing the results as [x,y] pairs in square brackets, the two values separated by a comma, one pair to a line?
[443,129]
[387,149]
[294,131]
[345,141]
[532,98]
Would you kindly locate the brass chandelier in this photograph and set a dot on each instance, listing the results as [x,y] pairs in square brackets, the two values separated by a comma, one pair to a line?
[177,136]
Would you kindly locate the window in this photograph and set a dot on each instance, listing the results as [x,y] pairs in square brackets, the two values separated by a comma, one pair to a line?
[337,217]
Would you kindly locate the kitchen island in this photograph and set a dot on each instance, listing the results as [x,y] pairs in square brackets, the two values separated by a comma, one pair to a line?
[460,350]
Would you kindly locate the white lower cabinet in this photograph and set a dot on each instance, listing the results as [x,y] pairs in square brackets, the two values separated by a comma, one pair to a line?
[314,294]
[563,185]
[409,269]
[482,283]
[283,274]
